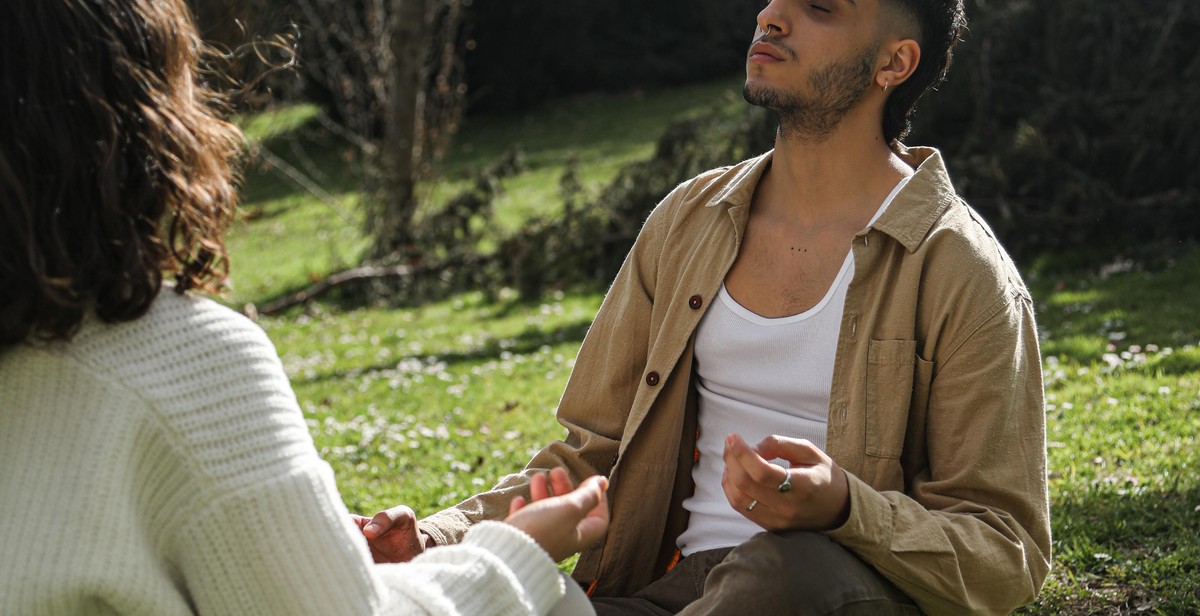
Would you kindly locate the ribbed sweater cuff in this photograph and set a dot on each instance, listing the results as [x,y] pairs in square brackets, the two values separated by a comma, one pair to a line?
[528,561]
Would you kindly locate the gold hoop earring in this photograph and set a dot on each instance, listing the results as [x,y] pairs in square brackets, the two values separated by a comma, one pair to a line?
[885,86]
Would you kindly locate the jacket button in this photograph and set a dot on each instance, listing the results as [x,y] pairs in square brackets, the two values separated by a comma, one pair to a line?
[695,302]
[652,379]
[615,457]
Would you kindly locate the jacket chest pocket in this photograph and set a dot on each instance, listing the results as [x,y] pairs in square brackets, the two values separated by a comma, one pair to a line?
[890,366]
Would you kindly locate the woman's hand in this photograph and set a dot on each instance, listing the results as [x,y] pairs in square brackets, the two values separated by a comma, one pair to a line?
[563,524]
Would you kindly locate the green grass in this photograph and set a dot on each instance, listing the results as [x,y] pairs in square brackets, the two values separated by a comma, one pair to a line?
[424,406]
[1123,422]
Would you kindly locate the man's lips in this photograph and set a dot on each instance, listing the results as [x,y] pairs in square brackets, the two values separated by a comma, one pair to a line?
[765,52]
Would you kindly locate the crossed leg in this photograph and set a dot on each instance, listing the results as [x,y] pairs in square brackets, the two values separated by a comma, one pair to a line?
[773,573]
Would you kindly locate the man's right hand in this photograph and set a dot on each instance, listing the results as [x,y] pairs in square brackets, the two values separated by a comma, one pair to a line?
[392,535]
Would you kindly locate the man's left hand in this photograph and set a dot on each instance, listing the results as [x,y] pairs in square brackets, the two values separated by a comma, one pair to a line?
[819,496]
[392,535]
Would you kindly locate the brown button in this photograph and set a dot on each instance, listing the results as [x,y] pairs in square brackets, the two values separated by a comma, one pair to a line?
[652,379]
[695,302]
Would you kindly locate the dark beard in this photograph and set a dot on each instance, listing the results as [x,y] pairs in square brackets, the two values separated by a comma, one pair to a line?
[836,89]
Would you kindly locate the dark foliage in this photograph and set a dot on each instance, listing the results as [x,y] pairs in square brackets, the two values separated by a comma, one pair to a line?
[526,51]
[1070,124]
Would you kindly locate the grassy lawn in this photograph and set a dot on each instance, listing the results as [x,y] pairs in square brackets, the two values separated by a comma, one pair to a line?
[427,405]
[1123,421]
[318,236]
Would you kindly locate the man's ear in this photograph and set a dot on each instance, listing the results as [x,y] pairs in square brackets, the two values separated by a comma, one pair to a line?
[900,58]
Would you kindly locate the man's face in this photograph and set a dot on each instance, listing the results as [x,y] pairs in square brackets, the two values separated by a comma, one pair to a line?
[815,63]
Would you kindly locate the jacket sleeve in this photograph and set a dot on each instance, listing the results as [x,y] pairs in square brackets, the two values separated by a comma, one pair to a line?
[971,533]
[599,393]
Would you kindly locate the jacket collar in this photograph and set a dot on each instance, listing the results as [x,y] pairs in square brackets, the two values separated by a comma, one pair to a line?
[908,219]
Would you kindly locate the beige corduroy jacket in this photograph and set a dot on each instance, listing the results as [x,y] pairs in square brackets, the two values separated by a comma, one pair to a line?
[935,413]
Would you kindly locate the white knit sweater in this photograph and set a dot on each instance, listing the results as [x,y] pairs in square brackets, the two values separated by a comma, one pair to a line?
[162,466]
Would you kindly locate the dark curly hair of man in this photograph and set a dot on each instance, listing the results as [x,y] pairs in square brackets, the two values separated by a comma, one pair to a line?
[117,166]
[939,26]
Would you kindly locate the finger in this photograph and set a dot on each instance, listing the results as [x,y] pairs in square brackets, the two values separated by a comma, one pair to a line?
[593,527]
[763,512]
[756,468]
[798,451]
[735,478]
[587,496]
[560,481]
[754,500]
[737,497]
[538,487]
[516,504]
[591,495]
[601,508]
[359,521]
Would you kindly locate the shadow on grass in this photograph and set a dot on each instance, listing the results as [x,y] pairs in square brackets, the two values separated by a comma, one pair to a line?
[313,151]
[524,343]
[1119,550]
[1129,306]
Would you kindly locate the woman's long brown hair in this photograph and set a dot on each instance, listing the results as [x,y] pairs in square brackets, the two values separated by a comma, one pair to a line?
[116,166]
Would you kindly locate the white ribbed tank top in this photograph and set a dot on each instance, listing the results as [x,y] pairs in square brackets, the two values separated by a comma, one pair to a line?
[757,377]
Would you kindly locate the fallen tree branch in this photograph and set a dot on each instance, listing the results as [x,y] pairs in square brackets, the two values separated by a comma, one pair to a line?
[321,287]
[359,275]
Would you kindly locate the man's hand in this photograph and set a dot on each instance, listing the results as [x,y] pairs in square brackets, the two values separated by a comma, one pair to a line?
[563,524]
[819,497]
[392,535]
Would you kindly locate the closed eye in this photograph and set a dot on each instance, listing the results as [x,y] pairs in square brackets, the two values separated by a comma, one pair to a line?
[820,8]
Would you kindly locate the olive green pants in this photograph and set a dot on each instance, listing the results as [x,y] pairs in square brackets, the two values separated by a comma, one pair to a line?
[771,574]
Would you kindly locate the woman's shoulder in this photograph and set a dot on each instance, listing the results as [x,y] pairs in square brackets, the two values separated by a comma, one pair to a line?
[183,350]
[178,332]
[212,377]
[196,316]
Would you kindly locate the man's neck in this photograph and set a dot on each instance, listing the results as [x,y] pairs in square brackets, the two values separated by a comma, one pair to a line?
[840,178]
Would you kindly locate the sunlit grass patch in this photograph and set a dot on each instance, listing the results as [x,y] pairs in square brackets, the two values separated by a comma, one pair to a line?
[427,405]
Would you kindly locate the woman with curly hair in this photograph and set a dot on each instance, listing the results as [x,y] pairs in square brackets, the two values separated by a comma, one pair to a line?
[153,458]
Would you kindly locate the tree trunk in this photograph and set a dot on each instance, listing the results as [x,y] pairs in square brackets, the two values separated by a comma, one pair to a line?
[400,153]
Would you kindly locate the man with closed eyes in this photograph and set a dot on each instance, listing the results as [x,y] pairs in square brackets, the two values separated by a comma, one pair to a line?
[815,383]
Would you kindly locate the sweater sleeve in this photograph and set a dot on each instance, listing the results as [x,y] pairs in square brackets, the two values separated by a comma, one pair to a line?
[288,547]
[261,528]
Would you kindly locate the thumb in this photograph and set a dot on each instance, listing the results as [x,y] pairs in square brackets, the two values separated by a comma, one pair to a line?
[388,520]
[593,526]
[589,493]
